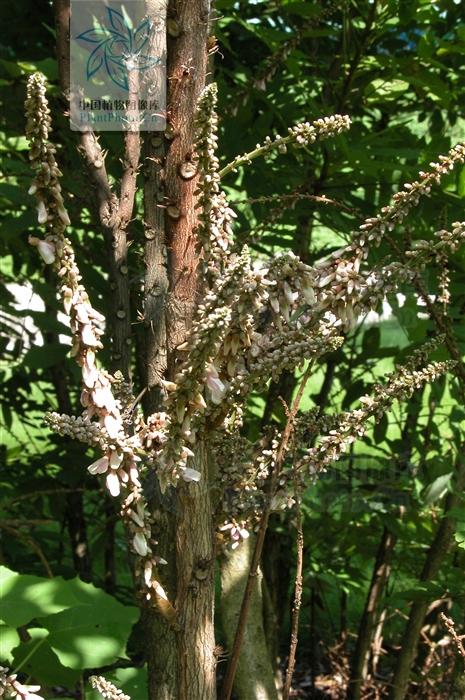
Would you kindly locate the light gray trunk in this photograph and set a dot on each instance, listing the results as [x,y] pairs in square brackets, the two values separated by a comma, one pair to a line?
[254,677]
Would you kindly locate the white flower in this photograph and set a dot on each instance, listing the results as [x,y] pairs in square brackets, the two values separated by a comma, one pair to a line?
[214,384]
[26,692]
[88,336]
[112,425]
[81,313]
[148,573]
[100,466]
[191,474]
[134,475]
[140,544]
[46,249]
[42,215]
[115,459]
[46,252]
[137,518]
[63,214]
[113,483]
[89,375]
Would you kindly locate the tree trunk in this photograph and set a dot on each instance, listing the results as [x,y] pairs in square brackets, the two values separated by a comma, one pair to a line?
[182,663]
[254,678]
[367,623]
[381,572]
[195,563]
[437,551]
[160,635]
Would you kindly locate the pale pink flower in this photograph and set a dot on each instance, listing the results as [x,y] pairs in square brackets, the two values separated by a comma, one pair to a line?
[26,692]
[42,215]
[63,214]
[214,384]
[89,375]
[103,398]
[140,544]
[113,483]
[123,475]
[100,466]
[46,249]
[115,459]
[67,300]
[112,425]
[88,336]
[90,358]
[46,252]
[81,313]
[134,475]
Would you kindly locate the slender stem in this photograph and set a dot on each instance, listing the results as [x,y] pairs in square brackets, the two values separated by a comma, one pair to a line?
[32,544]
[258,151]
[297,591]
[226,689]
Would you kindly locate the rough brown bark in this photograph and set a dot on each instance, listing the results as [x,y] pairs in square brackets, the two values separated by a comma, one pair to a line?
[160,636]
[171,283]
[188,26]
[195,560]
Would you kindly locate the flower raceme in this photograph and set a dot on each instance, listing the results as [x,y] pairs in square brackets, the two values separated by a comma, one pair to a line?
[256,318]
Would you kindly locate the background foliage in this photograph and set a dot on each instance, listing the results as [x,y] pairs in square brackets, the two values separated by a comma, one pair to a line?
[396,67]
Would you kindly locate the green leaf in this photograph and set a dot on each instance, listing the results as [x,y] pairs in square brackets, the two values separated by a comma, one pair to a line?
[461,183]
[9,639]
[38,660]
[88,636]
[437,489]
[25,597]
[381,428]
[355,390]
[43,356]
[460,535]
[422,592]
[371,340]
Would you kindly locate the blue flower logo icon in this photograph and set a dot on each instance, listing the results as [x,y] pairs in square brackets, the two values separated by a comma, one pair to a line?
[118,47]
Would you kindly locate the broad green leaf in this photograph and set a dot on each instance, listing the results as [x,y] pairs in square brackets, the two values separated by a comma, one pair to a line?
[24,597]
[9,639]
[43,356]
[88,636]
[39,661]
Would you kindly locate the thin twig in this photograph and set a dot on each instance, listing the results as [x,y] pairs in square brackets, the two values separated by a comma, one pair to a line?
[32,544]
[226,689]
[450,626]
[297,590]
